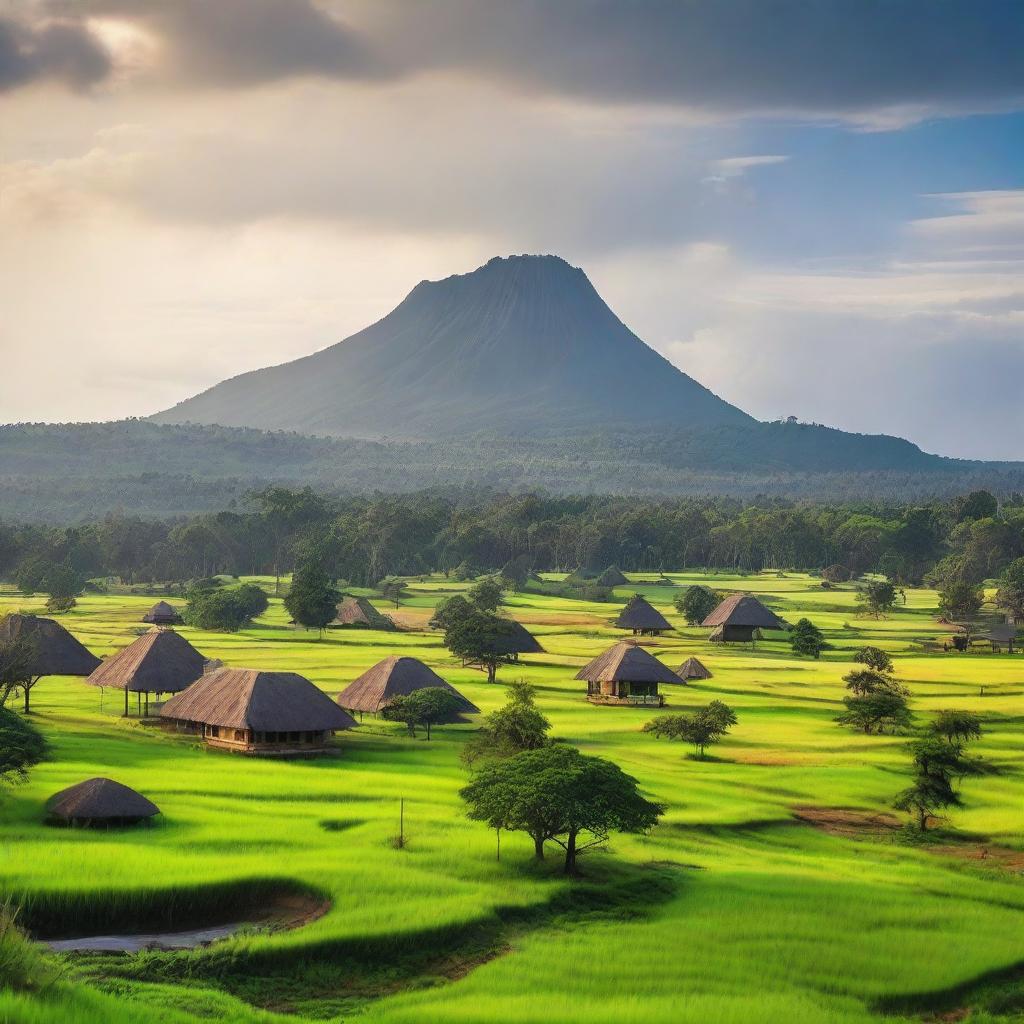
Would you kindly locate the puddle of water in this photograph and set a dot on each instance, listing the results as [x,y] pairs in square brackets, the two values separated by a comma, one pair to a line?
[137,943]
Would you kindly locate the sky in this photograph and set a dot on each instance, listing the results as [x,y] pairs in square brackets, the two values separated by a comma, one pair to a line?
[814,207]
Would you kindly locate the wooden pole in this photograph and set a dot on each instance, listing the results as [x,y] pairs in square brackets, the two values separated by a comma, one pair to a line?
[401,822]
[125,700]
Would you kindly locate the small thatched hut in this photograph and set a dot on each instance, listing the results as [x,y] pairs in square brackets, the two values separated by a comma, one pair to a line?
[358,611]
[100,802]
[1003,635]
[163,614]
[693,668]
[612,577]
[252,712]
[627,675]
[55,651]
[641,616]
[394,677]
[158,662]
[518,640]
[740,619]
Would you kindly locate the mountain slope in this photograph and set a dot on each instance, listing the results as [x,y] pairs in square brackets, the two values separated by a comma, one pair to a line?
[522,344]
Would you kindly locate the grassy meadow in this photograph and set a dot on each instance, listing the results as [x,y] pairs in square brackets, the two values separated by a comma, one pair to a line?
[731,910]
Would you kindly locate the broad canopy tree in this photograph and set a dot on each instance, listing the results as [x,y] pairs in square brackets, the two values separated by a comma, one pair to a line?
[556,794]
[696,603]
[312,600]
[702,728]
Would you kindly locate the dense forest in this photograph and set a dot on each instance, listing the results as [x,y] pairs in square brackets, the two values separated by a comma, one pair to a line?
[967,539]
[71,473]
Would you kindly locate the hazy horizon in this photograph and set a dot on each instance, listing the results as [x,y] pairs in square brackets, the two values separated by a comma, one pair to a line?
[813,210]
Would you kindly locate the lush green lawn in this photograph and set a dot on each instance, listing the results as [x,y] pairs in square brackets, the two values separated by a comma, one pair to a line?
[730,910]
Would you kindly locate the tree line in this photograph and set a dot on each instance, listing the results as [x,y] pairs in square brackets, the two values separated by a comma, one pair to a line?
[363,539]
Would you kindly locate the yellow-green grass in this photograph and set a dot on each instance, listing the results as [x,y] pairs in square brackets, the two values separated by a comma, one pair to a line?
[768,919]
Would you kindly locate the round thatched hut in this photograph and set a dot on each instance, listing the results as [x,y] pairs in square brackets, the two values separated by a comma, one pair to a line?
[54,651]
[100,802]
[394,677]
[158,662]
[740,619]
[358,611]
[252,712]
[518,640]
[163,614]
[693,668]
[642,617]
[626,675]
[612,577]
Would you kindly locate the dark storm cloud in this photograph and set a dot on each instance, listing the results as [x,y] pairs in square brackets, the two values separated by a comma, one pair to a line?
[830,56]
[62,50]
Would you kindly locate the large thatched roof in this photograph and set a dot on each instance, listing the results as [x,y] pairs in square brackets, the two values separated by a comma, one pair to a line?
[519,640]
[394,677]
[57,652]
[163,614]
[100,800]
[641,614]
[744,610]
[627,663]
[612,577]
[358,611]
[693,668]
[159,661]
[246,698]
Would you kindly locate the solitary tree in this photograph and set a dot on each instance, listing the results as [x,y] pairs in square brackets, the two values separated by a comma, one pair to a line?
[424,708]
[312,600]
[486,594]
[877,711]
[926,796]
[960,600]
[862,681]
[517,726]
[702,728]
[448,612]
[480,638]
[392,589]
[556,794]
[878,597]
[956,727]
[696,603]
[806,639]
[875,658]
[63,584]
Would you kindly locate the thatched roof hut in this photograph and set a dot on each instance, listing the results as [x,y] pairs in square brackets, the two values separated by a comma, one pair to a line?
[625,674]
[256,712]
[163,614]
[57,652]
[612,577]
[1003,635]
[358,611]
[740,617]
[641,616]
[159,661]
[693,668]
[100,801]
[519,640]
[395,676]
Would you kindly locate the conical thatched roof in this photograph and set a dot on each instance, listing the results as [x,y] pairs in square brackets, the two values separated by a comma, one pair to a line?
[519,640]
[744,610]
[57,652]
[641,614]
[358,611]
[693,668]
[163,614]
[394,677]
[627,663]
[159,661]
[612,577]
[246,698]
[100,800]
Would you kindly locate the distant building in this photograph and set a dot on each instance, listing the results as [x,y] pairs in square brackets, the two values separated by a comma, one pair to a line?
[163,614]
[626,675]
[693,668]
[100,802]
[740,619]
[394,677]
[642,617]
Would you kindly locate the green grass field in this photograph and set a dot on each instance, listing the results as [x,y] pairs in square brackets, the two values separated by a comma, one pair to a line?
[731,910]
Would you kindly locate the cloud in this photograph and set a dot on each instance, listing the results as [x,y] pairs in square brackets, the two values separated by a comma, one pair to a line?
[63,50]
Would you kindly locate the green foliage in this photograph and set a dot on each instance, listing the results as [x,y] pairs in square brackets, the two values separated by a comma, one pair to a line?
[878,597]
[516,571]
[21,746]
[449,612]
[875,658]
[16,660]
[63,583]
[696,603]
[487,594]
[518,725]
[961,600]
[58,605]
[222,611]
[956,727]
[876,703]
[312,600]
[702,728]
[23,966]
[557,794]
[806,639]
[423,708]
[253,598]
[479,638]
[976,505]
[392,589]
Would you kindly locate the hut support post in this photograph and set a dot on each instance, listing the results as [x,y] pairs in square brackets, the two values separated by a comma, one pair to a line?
[126,701]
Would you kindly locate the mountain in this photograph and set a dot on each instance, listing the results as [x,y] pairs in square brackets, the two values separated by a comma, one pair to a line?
[521,345]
